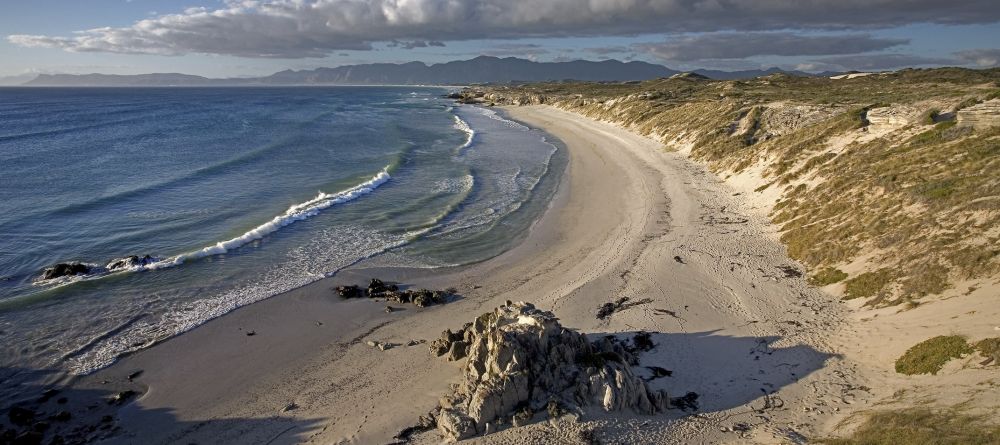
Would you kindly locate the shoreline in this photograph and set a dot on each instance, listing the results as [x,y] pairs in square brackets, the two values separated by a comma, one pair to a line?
[627,220]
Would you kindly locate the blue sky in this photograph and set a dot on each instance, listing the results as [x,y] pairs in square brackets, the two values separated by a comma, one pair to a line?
[250,37]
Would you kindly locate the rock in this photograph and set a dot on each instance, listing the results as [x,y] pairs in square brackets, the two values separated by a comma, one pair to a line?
[455,425]
[349,291]
[376,288]
[122,397]
[48,394]
[381,346]
[522,361]
[981,116]
[134,375]
[20,416]
[41,427]
[289,407]
[129,262]
[65,269]
[422,300]
[62,416]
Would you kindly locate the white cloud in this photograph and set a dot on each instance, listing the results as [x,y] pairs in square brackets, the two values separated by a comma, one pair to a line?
[980,57]
[315,28]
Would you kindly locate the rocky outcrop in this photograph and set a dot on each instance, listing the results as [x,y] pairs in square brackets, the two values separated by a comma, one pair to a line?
[129,262]
[391,292]
[65,270]
[522,362]
[890,117]
[984,115]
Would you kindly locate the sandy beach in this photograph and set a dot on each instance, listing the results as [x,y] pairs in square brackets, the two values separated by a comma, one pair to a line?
[732,317]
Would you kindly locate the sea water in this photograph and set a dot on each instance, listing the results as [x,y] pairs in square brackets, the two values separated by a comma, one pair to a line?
[237,194]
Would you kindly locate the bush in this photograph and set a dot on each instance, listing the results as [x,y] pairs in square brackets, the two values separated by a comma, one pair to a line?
[921,426]
[929,356]
[827,276]
[989,347]
[867,284]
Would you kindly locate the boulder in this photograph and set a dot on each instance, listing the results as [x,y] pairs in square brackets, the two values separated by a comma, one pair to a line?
[349,291]
[65,269]
[129,262]
[521,361]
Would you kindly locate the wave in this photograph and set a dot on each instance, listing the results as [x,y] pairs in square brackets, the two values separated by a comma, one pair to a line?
[470,134]
[297,212]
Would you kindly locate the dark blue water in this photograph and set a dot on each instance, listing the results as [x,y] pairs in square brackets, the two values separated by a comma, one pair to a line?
[236,194]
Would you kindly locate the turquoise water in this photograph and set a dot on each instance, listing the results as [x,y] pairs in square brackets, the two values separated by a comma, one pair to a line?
[237,194]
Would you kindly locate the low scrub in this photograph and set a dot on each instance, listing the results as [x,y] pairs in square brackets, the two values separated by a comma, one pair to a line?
[827,276]
[929,356]
[921,426]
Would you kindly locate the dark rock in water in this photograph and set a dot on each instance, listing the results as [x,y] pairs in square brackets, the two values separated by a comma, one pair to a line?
[62,416]
[20,416]
[130,262]
[65,269]
[521,361]
[41,427]
[134,375]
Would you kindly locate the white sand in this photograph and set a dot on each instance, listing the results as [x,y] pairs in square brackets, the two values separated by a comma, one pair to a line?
[751,341]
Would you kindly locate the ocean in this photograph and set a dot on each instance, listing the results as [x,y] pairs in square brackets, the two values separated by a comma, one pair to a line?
[236,195]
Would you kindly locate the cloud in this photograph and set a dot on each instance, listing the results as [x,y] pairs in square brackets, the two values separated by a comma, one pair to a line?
[414,44]
[605,50]
[980,57]
[744,45]
[315,28]
[879,62]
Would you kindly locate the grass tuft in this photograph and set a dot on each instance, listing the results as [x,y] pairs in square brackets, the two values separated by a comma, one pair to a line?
[921,426]
[867,284]
[827,276]
[929,356]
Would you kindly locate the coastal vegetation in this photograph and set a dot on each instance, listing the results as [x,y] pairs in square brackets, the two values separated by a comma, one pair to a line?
[929,356]
[876,181]
[921,426]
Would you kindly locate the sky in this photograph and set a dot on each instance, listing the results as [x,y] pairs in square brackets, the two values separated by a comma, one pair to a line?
[236,38]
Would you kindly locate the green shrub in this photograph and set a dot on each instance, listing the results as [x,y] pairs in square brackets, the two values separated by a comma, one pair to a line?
[827,276]
[929,356]
[989,347]
[921,426]
[867,284]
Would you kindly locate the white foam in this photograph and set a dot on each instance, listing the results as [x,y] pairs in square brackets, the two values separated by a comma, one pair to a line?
[297,212]
[470,134]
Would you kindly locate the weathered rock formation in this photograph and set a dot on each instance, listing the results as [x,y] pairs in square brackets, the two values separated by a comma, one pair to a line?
[890,117]
[521,361]
[129,262]
[984,115]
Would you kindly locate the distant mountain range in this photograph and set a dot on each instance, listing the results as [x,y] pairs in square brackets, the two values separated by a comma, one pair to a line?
[483,69]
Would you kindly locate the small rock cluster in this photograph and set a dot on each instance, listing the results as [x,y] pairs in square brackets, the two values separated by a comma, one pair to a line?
[391,292]
[521,361]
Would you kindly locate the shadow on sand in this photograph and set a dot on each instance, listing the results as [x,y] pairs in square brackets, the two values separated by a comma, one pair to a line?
[66,414]
[724,371]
